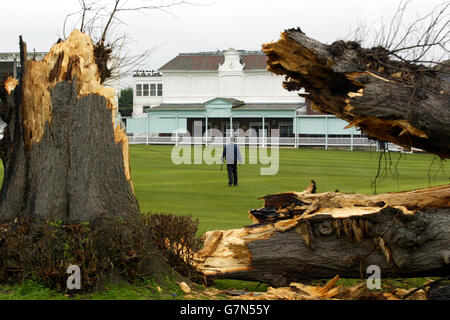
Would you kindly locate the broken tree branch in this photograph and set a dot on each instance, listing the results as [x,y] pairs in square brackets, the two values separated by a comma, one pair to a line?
[302,235]
[389,100]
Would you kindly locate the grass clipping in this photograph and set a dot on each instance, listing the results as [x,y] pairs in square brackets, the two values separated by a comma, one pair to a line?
[70,60]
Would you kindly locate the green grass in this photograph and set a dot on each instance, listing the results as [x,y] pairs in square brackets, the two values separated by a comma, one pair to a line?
[387,285]
[202,190]
[143,290]
[29,290]
[251,286]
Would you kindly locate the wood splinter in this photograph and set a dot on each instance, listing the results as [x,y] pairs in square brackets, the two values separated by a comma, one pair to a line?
[408,228]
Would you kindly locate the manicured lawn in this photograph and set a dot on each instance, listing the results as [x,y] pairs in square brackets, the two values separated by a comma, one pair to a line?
[202,190]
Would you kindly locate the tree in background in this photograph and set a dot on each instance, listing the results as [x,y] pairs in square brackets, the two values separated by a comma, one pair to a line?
[126,102]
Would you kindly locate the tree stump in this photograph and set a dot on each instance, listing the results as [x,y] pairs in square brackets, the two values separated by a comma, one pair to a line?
[64,156]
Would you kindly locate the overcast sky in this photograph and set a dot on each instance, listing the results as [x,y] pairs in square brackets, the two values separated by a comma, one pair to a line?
[218,24]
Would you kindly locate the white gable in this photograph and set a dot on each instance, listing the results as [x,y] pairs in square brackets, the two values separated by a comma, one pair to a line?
[232,61]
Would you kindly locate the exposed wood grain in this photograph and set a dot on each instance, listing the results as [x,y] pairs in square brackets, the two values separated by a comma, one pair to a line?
[405,234]
[343,79]
[64,157]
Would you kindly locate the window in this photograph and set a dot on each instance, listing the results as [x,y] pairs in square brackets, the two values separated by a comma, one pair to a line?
[159,89]
[286,130]
[145,89]
[152,90]
[256,128]
[226,128]
[139,90]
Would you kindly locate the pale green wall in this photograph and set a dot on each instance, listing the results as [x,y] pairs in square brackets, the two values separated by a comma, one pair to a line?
[218,108]
[165,121]
[323,125]
[167,125]
[156,125]
[336,126]
[263,113]
[218,103]
[218,113]
[137,125]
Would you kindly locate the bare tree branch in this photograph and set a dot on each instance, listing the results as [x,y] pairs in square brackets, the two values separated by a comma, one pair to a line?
[418,42]
[101,22]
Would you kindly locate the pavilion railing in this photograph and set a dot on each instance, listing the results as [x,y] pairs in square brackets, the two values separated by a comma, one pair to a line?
[253,141]
[325,142]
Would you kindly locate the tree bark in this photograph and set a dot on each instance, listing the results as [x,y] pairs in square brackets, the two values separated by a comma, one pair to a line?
[64,157]
[389,100]
[301,235]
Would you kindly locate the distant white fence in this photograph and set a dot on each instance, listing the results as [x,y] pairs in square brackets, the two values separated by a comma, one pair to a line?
[267,141]
[325,142]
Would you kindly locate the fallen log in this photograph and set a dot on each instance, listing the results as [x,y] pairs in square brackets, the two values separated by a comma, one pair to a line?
[317,236]
[390,100]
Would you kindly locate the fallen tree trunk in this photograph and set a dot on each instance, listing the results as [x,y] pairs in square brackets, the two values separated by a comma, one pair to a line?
[390,100]
[302,235]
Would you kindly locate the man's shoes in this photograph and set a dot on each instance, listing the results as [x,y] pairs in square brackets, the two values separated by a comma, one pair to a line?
[229,185]
[235,184]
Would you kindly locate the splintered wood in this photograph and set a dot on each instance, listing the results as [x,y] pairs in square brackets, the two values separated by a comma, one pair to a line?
[290,204]
[331,291]
[388,99]
[10,83]
[70,60]
[230,249]
[303,235]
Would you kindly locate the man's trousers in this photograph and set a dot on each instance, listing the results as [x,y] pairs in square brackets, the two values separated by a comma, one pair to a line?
[232,174]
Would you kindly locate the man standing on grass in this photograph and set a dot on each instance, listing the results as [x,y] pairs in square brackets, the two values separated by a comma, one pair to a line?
[232,154]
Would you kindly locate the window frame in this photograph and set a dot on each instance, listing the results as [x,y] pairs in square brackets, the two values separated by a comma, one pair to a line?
[144,90]
[285,124]
[159,90]
[139,90]
[152,90]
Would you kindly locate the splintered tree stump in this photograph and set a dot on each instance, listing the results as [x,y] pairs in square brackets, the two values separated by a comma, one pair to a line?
[301,235]
[64,156]
[394,101]
[67,197]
